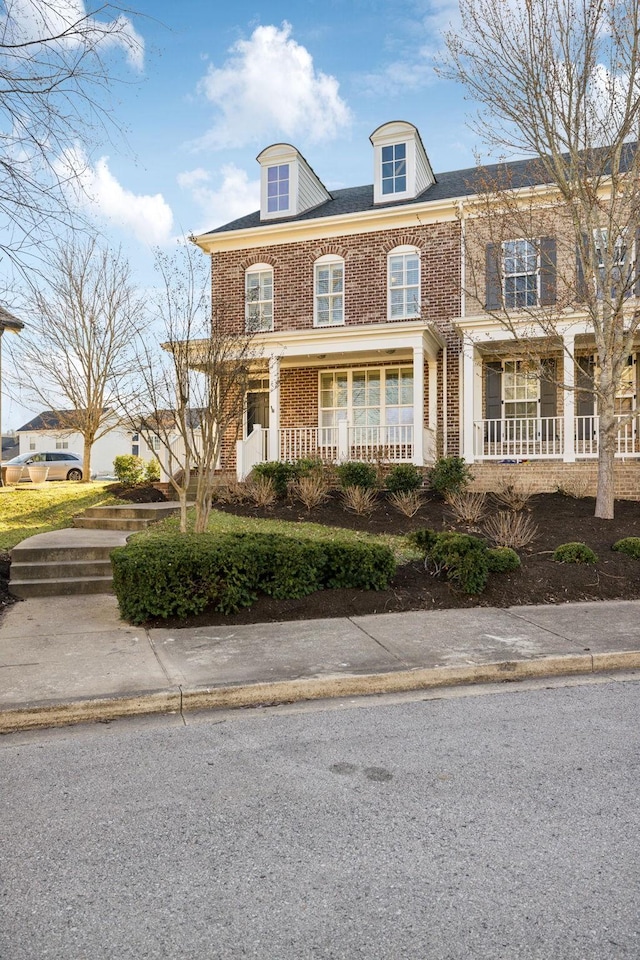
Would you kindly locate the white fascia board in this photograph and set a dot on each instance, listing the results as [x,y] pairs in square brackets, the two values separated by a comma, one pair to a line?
[367,221]
[371,337]
[486,329]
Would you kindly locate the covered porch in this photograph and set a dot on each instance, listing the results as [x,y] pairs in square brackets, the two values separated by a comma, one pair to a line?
[364,392]
[511,413]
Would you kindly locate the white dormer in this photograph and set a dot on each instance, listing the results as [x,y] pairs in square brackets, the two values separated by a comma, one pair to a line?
[401,166]
[288,185]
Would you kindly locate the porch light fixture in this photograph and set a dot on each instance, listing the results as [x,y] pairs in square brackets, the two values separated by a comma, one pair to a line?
[390,352]
[322,356]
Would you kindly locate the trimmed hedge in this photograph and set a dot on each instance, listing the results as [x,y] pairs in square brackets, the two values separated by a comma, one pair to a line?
[357,473]
[574,552]
[628,545]
[178,575]
[465,560]
[403,478]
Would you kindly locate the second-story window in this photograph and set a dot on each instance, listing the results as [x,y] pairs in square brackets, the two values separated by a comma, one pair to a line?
[259,298]
[278,188]
[404,283]
[394,168]
[521,273]
[329,291]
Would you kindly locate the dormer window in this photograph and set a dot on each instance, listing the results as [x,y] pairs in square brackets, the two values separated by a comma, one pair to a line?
[288,185]
[394,168]
[401,167]
[278,188]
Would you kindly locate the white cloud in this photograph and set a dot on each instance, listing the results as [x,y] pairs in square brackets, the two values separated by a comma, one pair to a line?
[236,196]
[30,21]
[96,189]
[413,57]
[270,87]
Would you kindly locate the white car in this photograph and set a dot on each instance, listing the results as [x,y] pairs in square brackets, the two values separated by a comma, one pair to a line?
[62,464]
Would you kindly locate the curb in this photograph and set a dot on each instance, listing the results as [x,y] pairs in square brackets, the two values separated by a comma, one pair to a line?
[38,716]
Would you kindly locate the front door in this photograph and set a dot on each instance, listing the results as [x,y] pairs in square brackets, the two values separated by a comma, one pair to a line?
[257,405]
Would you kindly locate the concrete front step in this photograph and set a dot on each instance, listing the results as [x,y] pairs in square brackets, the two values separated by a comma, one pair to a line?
[79,568]
[110,523]
[143,511]
[58,587]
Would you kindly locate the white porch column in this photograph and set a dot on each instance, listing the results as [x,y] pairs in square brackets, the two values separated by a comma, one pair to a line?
[569,451]
[468,405]
[274,405]
[418,405]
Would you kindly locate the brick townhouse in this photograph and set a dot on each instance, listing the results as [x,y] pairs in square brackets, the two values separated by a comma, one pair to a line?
[378,344]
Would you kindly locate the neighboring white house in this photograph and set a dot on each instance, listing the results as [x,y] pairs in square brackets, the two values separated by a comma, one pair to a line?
[53,430]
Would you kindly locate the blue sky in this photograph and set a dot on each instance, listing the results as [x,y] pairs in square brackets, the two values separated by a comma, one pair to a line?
[220,81]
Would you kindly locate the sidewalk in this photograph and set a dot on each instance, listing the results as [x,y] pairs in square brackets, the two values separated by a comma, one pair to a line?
[71,659]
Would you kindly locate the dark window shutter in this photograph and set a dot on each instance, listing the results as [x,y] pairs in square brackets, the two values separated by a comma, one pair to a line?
[636,264]
[547,271]
[581,286]
[492,276]
[493,400]
[548,389]
[584,385]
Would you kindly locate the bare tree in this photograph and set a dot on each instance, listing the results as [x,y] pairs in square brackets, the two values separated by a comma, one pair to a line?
[559,81]
[77,348]
[56,70]
[192,382]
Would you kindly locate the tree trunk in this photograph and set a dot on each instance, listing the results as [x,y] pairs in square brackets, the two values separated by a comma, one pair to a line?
[203,501]
[607,435]
[86,459]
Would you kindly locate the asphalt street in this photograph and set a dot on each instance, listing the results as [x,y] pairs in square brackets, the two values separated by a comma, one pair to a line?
[499,824]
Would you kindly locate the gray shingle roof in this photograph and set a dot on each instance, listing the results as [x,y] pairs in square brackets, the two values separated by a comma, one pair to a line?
[448,186]
[54,420]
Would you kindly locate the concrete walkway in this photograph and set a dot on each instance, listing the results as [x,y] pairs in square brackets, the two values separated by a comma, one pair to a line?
[71,659]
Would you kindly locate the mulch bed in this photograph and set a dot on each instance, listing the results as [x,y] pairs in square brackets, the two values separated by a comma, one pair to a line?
[560,519]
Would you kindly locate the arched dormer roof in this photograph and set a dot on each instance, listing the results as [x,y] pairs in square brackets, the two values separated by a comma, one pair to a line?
[402,170]
[288,185]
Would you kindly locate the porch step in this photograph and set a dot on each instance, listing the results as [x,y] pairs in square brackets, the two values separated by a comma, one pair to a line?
[64,563]
[130,517]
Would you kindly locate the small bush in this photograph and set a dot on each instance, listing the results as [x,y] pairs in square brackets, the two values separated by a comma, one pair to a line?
[408,502]
[507,529]
[261,491]
[467,507]
[309,467]
[359,500]
[403,478]
[462,558]
[423,539]
[574,553]
[311,490]
[129,469]
[628,545]
[230,491]
[177,575]
[502,559]
[512,495]
[575,487]
[355,473]
[450,475]
[152,471]
[280,472]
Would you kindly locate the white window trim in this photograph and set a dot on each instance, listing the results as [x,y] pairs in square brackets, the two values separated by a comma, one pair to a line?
[328,259]
[533,378]
[350,371]
[410,192]
[404,251]
[536,243]
[257,268]
[265,214]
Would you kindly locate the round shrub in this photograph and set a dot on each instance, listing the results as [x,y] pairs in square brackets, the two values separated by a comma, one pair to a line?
[628,545]
[502,559]
[129,469]
[278,471]
[355,473]
[450,475]
[423,539]
[462,558]
[152,471]
[403,478]
[574,553]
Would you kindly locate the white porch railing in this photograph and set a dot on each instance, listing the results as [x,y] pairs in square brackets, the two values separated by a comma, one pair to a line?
[543,438]
[390,443]
[524,438]
[628,440]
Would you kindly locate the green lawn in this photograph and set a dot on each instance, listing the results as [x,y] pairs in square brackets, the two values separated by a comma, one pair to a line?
[26,510]
[220,522]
